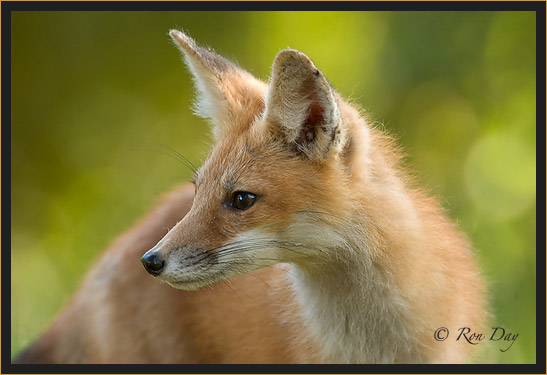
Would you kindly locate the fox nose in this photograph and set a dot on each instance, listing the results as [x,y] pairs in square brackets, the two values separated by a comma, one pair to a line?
[153,263]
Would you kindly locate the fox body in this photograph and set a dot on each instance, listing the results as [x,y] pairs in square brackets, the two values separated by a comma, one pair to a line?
[301,241]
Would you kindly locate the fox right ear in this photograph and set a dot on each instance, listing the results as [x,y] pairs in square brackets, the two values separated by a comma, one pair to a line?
[301,105]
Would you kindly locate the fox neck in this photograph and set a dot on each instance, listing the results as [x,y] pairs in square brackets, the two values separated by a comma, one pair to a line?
[353,311]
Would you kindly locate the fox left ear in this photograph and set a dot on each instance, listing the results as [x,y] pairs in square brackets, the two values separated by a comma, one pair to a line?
[226,92]
[301,104]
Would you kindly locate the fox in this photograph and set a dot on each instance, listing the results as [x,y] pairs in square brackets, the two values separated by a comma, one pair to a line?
[302,239]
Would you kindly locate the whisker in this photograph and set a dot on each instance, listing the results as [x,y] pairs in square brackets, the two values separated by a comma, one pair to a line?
[275,242]
[261,279]
[268,244]
[273,266]
[247,259]
[253,261]
[230,285]
[169,151]
[256,244]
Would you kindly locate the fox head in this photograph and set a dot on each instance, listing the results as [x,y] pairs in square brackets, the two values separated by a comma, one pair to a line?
[277,184]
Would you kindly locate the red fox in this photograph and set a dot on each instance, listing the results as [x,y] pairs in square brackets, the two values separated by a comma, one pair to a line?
[302,240]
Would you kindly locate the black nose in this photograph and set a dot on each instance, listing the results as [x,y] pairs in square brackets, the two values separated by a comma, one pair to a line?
[153,263]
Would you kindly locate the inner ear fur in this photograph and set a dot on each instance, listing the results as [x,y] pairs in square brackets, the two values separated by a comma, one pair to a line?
[301,104]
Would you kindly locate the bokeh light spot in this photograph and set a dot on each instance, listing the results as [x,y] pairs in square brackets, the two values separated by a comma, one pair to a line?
[500,176]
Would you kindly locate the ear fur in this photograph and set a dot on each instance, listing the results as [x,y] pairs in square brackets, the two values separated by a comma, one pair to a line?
[301,104]
[224,89]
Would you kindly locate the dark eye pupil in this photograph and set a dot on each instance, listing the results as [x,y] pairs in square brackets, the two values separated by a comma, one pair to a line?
[243,200]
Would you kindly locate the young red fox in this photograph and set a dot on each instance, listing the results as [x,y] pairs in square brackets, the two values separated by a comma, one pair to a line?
[304,237]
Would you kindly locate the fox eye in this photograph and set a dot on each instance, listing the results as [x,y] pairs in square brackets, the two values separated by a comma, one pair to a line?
[242,200]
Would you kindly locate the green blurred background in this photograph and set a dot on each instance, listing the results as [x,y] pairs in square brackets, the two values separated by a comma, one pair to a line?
[90,90]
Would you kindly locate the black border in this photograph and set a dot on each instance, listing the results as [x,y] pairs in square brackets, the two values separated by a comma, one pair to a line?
[8,6]
[277,369]
[273,5]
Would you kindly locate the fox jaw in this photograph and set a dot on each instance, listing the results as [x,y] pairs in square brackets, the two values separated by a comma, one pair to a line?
[281,151]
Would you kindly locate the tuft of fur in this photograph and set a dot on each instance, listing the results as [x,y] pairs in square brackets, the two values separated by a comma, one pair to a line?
[340,259]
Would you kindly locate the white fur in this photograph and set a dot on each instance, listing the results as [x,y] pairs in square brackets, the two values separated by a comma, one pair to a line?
[210,102]
[350,307]
[209,99]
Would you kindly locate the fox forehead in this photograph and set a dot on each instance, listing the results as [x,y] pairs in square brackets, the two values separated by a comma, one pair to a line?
[252,154]
[226,163]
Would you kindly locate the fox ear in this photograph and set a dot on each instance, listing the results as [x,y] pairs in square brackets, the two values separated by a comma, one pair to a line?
[301,104]
[224,89]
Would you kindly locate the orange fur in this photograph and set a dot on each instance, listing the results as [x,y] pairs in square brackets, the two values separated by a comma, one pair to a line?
[340,259]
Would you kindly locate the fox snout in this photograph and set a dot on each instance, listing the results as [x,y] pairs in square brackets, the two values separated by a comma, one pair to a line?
[183,267]
[153,262]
